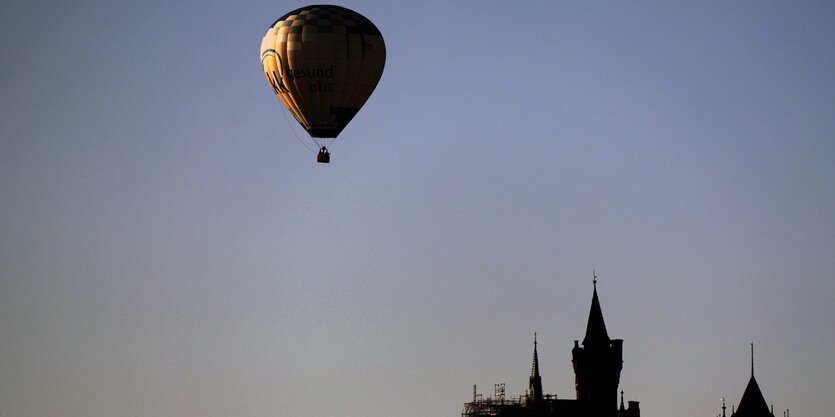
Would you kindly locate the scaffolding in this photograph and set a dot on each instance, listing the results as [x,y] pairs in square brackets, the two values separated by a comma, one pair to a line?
[500,405]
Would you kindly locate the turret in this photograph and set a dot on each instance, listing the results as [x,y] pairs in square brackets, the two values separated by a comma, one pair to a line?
[597,364]
[634,409]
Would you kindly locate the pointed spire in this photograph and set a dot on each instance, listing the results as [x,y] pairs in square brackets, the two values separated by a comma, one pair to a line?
[535,365]
[596,327]
[535,381]
[752,403]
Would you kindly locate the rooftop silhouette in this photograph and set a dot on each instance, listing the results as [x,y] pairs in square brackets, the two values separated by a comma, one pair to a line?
[597,365]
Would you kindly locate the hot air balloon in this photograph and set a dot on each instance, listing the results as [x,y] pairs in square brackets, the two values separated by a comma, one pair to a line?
[323,62]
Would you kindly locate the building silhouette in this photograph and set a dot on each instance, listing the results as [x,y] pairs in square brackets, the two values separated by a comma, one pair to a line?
[597,365]
[753,402]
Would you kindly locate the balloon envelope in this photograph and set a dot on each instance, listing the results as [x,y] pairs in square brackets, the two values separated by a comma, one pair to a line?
[323,62]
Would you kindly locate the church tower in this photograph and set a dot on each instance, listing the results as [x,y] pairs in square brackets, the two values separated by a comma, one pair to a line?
[597,364]
[535,384]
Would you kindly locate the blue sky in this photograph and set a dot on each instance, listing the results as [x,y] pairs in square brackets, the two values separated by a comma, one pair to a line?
[167,247]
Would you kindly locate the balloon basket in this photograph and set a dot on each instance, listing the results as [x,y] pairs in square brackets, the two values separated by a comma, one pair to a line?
[324,157]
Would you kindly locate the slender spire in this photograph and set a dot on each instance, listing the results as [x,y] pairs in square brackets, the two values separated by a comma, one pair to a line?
[596,327]
[535,365]
[723,406]
[535,381]
[752,359]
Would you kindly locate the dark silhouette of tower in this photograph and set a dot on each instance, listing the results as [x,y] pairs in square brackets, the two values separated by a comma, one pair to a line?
[597,367]
[535,381]
[752,403]
[597,364]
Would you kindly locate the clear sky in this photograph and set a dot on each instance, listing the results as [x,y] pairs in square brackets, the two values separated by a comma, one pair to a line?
[168,248]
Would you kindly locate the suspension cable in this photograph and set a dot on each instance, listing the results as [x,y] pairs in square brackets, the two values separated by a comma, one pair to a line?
[295,134]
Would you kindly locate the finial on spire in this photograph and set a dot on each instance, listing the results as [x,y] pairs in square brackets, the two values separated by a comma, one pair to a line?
[594,280]
[534,339]
[752,359]
[723,406]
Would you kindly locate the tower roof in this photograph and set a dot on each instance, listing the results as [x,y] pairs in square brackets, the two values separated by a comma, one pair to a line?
[752,403]
[596,327]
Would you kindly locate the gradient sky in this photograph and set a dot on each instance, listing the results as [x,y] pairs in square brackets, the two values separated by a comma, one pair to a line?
[168,248]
